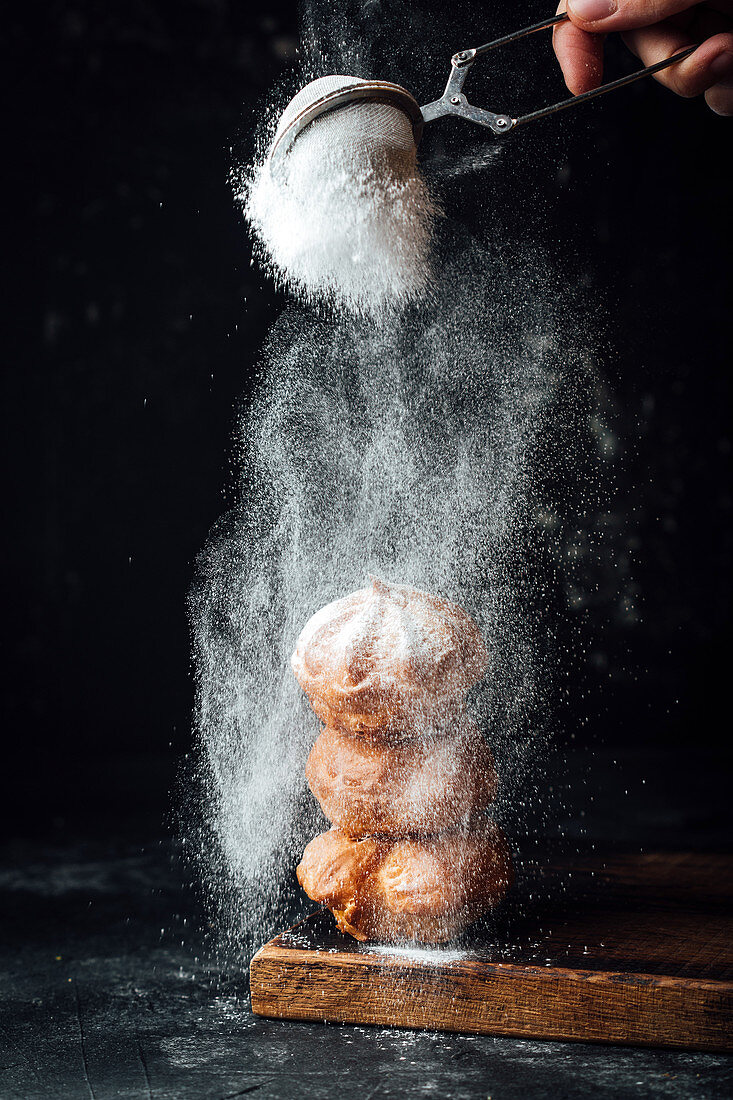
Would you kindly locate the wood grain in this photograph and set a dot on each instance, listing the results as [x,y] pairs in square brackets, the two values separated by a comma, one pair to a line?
[634,950]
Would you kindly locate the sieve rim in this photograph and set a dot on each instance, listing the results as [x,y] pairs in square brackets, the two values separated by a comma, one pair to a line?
[376,91]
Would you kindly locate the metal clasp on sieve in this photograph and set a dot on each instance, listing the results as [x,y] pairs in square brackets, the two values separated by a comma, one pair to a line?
[454,103]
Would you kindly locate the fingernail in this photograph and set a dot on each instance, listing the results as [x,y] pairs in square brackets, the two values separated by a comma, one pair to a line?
[591,11]
[722,66]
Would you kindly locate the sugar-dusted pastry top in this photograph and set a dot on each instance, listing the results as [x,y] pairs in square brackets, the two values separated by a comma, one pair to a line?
[401,788]
[388,657]
[421,890]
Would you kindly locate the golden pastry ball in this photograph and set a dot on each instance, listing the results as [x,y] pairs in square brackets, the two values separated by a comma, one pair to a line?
[425,785]
[388,658]
[425,891]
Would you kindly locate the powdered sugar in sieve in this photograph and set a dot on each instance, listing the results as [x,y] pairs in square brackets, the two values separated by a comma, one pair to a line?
[339,205]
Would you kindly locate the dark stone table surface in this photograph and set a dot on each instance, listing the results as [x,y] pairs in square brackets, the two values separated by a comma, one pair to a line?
[109,990]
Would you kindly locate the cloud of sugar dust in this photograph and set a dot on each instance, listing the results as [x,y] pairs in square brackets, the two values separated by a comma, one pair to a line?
[441,426]
[432,448]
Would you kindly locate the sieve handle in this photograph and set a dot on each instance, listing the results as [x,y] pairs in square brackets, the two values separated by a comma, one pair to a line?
[453,101]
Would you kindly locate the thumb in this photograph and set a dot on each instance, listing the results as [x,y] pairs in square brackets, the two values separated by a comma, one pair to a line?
[604,16]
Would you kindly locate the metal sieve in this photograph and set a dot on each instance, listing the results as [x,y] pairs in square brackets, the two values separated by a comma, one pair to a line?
[334,93]
[338,93]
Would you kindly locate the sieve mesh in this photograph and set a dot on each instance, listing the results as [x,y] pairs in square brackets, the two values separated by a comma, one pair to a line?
[309,95]
[363,135]
[372,115]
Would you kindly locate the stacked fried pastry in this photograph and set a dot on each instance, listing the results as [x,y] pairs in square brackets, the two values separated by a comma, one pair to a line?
[399,768]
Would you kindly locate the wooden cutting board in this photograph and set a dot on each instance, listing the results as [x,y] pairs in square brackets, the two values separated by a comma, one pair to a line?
[635,949]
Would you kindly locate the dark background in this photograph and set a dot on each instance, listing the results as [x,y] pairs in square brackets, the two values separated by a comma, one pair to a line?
[134,323]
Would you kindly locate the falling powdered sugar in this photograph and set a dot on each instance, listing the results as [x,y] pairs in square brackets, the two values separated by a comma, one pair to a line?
[344,217]
[365,451]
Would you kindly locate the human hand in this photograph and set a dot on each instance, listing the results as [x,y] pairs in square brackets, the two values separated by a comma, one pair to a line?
[653,30]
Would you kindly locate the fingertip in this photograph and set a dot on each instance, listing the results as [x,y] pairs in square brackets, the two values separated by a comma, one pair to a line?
[721,67]
[580,56]
[709,66]
[583,12]
[710,63]
[719,99]
[582,78]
